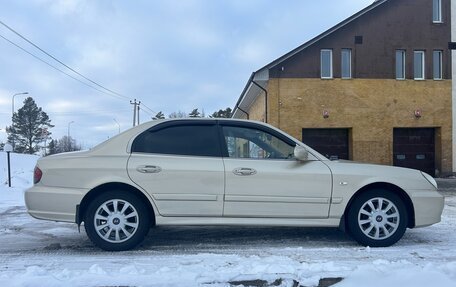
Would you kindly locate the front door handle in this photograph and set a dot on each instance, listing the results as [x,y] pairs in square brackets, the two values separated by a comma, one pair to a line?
[244,171]
[149,169]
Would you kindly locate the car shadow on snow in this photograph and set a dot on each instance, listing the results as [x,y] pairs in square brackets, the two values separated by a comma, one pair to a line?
[200,238]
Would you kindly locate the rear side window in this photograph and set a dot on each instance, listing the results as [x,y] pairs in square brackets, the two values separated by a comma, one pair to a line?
[192,140]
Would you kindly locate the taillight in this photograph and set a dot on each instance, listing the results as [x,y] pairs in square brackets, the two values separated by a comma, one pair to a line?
[37,174]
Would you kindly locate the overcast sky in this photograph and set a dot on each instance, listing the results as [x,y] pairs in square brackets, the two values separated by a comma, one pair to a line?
[171,55]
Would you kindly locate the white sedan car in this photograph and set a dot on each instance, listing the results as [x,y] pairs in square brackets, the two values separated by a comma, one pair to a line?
[225,172]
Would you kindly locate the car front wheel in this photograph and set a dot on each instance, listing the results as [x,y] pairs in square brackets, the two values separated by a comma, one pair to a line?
[116,221]
[377,218]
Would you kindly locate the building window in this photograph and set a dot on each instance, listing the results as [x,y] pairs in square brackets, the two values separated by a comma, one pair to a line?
[437,63]
[346,64]
[418,65]
[326,64]
[400,64]
[437,11]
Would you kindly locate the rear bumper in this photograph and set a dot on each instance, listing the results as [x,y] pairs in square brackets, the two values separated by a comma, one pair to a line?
[428,205]
[53,203]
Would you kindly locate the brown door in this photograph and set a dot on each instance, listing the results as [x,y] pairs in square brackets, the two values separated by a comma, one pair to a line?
[414,148]
[332,143]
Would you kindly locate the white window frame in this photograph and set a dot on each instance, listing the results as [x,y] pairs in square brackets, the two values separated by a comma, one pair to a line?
[423,66]
[330,63]
[349,63]
[437,14]
[403,54]
[440,63]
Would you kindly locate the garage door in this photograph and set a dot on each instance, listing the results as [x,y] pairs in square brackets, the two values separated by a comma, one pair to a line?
[332,143]
[414,148]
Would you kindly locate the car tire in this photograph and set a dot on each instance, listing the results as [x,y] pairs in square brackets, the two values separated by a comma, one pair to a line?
[117,220]
[377,218]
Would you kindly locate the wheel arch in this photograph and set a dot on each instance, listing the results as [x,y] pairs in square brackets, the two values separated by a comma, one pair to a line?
[82,207]
[388,187]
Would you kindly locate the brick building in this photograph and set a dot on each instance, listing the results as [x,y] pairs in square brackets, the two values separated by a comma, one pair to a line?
[374,88]
[453,39]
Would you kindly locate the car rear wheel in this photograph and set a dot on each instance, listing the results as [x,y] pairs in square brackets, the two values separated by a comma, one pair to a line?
[377,218]
[117,220]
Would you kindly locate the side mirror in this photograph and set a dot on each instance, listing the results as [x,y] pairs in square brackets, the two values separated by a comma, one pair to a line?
[301,153]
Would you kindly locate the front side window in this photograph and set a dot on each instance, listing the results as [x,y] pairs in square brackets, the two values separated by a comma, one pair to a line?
[437,63]
[346,64]
[400,64]
[326,64]
[255,144]
[189,140]
[437,11]
[418,65]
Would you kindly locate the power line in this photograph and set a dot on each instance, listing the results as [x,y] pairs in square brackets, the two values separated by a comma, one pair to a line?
[95,112]
[60,62]
[150,114]
[152,111]
[61,71]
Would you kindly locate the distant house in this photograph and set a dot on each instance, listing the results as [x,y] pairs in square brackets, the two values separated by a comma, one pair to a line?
[374,88]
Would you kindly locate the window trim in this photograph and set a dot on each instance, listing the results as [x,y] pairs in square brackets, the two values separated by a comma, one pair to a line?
[403,53]
[331,76]
[349,64]
[439,19]
[440,61]
[423,66]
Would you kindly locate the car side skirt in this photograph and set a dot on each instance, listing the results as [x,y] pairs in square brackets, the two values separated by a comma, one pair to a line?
[327,222]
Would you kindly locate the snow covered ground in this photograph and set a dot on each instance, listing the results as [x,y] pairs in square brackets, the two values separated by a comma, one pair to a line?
[41,253]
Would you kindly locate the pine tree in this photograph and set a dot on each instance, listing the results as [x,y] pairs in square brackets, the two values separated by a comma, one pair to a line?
[194,114]
[159,116]
[52,147]
[226,113]
[27,129]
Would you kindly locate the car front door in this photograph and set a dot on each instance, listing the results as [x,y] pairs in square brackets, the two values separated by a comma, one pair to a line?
[263,179]
[180,165]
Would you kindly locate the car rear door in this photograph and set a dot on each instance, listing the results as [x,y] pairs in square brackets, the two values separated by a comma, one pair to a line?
[179,164]
[264,180]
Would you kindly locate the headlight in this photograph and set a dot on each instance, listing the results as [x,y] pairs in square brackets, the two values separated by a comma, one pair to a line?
[430,179]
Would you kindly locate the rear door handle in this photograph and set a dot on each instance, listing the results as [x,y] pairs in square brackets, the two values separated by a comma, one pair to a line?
[244,171]
[149,169]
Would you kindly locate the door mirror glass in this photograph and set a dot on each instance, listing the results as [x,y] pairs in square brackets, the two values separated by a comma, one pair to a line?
[301,153]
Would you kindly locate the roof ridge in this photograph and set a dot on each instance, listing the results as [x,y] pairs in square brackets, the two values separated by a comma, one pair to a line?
[331,30]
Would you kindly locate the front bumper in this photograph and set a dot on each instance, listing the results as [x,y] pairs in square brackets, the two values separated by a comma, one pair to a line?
[53,203]
[428,205]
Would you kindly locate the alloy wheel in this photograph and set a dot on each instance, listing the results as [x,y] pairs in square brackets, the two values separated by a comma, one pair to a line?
[378,218]
[116,220]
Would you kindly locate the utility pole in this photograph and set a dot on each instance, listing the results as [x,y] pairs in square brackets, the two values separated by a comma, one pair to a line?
[12,112]
[138,111]
[135,108]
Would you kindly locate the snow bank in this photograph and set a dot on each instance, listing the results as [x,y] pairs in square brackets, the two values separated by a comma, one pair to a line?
[22,166]
[219,270]
[383,273]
